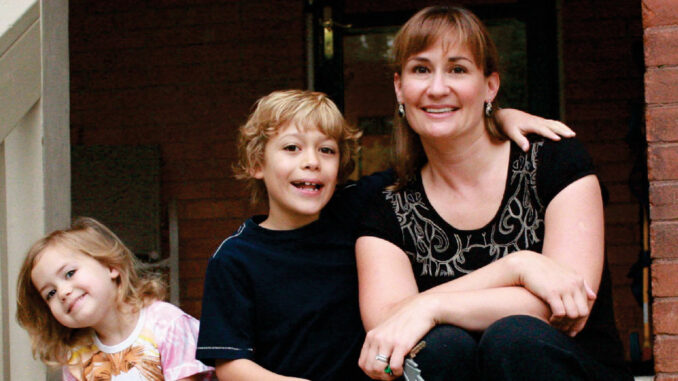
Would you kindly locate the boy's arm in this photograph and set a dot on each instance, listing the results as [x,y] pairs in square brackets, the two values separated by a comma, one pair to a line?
[245,370]
[517,124]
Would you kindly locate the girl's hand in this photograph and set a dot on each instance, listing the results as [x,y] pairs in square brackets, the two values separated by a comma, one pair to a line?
[395,337]
[565,291]
[517,124]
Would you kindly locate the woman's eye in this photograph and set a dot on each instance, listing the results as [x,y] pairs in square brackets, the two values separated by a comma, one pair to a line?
[328,150]
[420,69]
[291,147]
[49,294]
[458,69]
[69,274]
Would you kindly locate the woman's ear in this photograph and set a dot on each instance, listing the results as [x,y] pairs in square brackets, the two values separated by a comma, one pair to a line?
[396,85]
[493,83]
[114,273]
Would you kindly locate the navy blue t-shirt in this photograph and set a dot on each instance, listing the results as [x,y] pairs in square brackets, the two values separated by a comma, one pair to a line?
[288,300]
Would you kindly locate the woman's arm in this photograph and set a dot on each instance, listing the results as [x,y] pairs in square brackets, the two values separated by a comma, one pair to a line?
[516,124]
[575,238]
[245,370]
[396,316]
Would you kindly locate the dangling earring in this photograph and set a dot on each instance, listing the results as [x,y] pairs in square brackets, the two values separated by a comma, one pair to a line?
[401,110]
[488,109]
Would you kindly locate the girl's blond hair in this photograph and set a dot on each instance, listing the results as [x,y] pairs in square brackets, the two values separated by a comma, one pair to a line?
[50,340]
[307,109]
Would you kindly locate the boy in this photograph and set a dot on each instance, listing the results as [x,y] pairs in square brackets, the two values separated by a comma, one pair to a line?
[281,296]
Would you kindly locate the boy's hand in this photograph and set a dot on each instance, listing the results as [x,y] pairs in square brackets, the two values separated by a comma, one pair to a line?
[517,124]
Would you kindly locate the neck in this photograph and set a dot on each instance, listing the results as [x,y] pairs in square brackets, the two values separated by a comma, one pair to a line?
[117,325]
[462,160]
[275,222]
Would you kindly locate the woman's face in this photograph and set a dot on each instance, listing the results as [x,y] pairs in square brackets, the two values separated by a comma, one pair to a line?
[444,91]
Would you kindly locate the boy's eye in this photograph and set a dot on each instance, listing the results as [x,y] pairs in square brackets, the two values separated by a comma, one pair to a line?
[69,274]
[328,150]
[291,147]
[49,294]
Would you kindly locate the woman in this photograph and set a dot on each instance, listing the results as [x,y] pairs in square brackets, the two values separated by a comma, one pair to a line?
[433,257]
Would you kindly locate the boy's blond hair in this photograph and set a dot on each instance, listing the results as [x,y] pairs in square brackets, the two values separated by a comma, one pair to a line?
[307,109]
[50,340]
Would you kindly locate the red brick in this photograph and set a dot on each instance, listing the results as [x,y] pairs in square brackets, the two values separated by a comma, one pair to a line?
[661,46]
[198,248]
[661,85]
[664,239]
[664,316]
[192,288]
[625,255]
[192,307]
[666,353]
[664,279]
[666,377]
[622,213]
[662,123]
[191,268]
[659,12]
[662,162]
[622,234]
[663,200]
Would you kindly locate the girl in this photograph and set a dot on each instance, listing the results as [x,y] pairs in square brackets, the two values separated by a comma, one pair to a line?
[87,309]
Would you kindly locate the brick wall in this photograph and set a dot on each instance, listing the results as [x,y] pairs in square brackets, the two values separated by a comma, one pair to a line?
[660,22]
[603,95]
[183,75]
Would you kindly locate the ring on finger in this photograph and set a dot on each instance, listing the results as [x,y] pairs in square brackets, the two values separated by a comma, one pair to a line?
[383,358]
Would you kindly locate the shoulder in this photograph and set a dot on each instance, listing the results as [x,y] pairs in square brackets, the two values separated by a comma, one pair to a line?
[160,311]
[231,247]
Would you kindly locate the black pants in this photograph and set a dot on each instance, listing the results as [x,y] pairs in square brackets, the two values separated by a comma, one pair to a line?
[513,348]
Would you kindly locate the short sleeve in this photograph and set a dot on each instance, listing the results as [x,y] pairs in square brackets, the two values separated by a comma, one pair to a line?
[350,200]
[226,321]
[179,333]
[380,220]
[66,375]
[560,163]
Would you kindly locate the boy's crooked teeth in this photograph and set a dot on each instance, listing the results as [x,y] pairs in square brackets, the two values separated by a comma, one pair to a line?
[305,185]
[439,110]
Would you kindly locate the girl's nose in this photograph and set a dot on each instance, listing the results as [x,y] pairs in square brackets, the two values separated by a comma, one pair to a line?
[64,290]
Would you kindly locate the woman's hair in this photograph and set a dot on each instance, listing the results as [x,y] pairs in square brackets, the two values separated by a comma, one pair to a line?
[449,25]
[306,109]
[50,340]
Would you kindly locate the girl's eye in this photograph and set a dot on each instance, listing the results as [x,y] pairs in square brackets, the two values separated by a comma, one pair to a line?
[291,148]
[50,294]
[69,274]
[328,150]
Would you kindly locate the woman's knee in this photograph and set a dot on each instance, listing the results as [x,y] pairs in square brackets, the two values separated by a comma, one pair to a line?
[449,352]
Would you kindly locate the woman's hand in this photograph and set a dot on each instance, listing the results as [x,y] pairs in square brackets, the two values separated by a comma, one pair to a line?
[396,336]
[517,124]
[564,290]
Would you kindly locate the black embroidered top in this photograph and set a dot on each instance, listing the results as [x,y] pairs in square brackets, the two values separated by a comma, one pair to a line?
[439,252]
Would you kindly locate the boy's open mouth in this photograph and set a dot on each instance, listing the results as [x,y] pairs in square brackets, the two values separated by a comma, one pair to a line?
[305,185]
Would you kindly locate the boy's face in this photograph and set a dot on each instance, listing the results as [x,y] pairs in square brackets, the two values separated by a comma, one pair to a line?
[300,173]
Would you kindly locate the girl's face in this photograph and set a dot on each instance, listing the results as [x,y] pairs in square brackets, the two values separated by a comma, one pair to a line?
[78,289]
[444,91]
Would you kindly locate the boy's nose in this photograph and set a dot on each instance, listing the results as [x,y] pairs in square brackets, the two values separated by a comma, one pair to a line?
[311,160]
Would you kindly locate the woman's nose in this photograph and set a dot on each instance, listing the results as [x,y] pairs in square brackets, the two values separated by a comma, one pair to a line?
[438,85]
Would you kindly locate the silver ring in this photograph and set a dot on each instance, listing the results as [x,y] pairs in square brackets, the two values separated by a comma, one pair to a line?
[383,358]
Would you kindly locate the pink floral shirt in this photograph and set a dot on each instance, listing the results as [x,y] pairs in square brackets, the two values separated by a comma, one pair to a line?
[161,347]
